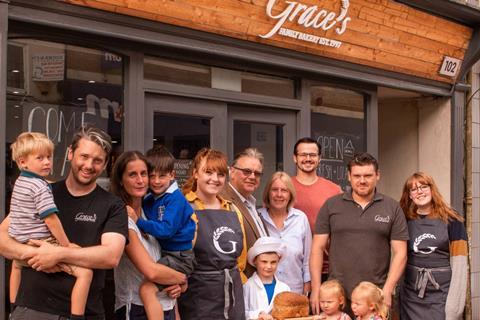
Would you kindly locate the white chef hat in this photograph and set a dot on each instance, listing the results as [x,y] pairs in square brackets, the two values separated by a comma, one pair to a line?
[264,245]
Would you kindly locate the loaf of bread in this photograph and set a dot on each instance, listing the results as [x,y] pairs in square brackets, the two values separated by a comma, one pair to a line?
[290,305]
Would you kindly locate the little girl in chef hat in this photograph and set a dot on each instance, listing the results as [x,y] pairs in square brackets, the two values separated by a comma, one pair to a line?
[263,286]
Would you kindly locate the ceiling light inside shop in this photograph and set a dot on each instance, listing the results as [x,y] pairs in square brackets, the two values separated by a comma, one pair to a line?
[16,106]
[91,81]
[114,141]
[15,71]
[15,92]
[79,99]
[16,117]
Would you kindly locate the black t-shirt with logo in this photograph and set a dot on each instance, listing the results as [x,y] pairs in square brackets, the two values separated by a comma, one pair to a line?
[84,220]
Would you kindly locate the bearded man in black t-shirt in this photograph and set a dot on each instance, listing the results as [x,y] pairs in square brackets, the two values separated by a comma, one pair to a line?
[92,218]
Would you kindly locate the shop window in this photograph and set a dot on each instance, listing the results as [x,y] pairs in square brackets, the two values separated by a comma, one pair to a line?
[160,69]
[15,74]
[177,72]
[338,124]
[54,88]
[268,85]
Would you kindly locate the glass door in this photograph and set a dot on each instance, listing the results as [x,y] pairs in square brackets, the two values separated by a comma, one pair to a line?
[184,126]
[273,132]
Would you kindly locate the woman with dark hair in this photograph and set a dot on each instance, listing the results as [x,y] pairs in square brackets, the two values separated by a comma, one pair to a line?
[129,180]
[435,283]
[215,286]
[292,227]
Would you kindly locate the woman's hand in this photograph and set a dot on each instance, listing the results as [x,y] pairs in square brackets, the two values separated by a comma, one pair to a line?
[131,213]
[173,291]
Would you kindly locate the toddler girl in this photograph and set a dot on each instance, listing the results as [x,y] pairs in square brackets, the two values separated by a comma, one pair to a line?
[332,301]
[367,302]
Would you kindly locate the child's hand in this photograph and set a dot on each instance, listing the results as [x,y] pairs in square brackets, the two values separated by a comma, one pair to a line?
[173,291]
[73,245]
[264,316]
[132,214]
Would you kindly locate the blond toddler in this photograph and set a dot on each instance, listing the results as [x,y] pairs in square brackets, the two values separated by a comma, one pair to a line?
[367,302]
[332,301]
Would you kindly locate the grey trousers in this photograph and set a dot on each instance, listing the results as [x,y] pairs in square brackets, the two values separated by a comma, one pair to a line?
[24,313]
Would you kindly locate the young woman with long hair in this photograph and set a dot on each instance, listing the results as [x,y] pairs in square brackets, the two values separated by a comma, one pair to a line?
[215,286]
[435,282]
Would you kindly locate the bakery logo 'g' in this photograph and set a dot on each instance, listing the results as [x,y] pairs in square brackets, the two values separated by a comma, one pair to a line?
[216,236]
[86,217]
[419,240]
[309,17]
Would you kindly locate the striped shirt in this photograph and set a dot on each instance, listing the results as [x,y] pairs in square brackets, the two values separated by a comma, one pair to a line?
[32,201]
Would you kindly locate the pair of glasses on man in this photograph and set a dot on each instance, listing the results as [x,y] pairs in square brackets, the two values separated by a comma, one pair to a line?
[247,172]
[308,155]
[423,188]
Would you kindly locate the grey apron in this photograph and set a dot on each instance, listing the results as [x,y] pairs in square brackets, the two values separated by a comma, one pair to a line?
[427,276]
[215,289]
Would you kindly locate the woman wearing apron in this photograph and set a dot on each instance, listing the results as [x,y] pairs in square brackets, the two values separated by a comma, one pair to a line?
[215,287]
[435,283]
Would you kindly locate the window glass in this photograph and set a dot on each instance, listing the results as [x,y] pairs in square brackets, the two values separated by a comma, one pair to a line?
[268,85]
[338,124]
[177,72]
[161,69]
[54,88]
[183,141]
[266,137]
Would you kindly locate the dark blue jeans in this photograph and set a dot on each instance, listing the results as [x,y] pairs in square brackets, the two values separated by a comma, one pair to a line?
[138,313]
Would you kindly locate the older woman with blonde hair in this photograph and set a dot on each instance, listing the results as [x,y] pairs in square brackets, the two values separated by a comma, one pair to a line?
[292,227]
[435,282]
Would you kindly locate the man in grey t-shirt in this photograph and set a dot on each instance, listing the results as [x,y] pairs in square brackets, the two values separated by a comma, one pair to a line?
[367,232]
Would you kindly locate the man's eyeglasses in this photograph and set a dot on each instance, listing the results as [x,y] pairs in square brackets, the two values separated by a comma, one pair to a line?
[423,188]
[248,172]
[306,155]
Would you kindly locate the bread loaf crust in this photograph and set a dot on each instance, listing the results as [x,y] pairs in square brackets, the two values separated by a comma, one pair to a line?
[290,305]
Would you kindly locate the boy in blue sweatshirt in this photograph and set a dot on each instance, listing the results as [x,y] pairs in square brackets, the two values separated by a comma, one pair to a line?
[169,220]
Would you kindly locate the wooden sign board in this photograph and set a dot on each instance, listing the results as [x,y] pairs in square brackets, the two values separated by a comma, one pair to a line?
[379,33]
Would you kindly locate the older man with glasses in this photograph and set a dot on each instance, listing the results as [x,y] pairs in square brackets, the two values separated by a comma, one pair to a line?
[245,173]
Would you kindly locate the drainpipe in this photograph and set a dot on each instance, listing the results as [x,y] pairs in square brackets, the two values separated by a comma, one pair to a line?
[468,186]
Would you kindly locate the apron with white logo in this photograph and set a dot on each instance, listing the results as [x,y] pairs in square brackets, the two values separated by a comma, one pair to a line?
[428,273]
[215,288]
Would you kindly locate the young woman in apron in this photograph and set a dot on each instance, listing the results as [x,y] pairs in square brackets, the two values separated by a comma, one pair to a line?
[215,287]
[435,283]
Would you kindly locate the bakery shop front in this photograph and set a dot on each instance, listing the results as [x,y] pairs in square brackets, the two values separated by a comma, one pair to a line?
[358,75]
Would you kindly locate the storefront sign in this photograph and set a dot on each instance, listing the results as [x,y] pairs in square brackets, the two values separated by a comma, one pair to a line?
[311,17]
[48,67]
[385,35]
